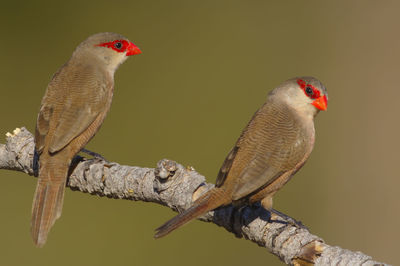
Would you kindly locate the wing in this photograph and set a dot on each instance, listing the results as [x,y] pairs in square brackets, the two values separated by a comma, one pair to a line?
[74,99]
[226,166]
[46,112]
[273,142]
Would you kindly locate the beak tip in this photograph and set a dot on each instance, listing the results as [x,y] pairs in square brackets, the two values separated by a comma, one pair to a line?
[321,103]
[133,50]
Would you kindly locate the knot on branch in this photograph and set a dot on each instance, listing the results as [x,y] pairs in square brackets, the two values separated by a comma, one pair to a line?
[165,170]
[173,179]
[309,253]
[17,153]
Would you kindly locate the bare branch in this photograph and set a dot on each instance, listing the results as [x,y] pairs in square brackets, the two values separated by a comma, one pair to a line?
[173,185]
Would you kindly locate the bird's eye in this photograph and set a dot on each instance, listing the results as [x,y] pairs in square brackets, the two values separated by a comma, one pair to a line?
[118,45]
[309,91]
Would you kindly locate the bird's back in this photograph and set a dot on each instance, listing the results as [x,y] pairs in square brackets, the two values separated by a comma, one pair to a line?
[76,95]
[274,142]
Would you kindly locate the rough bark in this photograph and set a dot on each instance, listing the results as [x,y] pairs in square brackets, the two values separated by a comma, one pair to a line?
[175,186]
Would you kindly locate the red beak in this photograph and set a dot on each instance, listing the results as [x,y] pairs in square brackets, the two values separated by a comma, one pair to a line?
[132,50]
[321,103]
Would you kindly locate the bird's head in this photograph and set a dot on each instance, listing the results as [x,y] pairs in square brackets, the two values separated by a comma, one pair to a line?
[111,48]
[304,94]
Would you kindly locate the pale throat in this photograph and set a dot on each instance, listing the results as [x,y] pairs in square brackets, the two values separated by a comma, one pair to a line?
[113,62]
[301,104]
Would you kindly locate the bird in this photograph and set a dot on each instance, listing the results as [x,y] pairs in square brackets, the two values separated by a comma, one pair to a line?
[273,146]
[72,110]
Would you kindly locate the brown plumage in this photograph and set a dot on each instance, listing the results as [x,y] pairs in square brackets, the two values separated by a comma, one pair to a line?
[271,149]
[73,108]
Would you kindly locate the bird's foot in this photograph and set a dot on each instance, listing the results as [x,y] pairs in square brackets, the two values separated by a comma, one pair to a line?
[95,155]
[289,220]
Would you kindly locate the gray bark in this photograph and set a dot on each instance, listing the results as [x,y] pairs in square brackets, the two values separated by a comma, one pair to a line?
[173,185]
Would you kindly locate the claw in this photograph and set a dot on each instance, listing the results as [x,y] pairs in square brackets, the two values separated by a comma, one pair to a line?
[95,155]
[289,220]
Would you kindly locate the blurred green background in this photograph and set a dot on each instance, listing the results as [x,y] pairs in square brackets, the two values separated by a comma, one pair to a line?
[206,67]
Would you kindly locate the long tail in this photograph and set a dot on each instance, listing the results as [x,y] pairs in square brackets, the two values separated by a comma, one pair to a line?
[47,204]
[209,201]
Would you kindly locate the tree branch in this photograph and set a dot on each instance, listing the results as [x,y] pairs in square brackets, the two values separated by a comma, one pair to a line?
[175,186]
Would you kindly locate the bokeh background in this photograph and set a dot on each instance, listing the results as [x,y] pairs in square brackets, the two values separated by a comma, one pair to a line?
[206,67]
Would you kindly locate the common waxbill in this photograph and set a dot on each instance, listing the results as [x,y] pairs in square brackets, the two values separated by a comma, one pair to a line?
[271,149]
[73,108]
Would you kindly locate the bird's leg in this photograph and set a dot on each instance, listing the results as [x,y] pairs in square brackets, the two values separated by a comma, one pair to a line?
[289,219]
[95,155]
[35,163]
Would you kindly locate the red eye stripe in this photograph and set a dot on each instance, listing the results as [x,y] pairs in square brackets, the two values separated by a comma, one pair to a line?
[303,85]
[113,45]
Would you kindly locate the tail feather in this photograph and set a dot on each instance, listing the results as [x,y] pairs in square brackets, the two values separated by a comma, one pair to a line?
[209,201]
[46,209]
[60,201]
